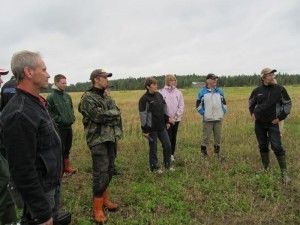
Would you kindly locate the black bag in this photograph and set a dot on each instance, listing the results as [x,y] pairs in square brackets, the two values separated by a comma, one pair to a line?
[62,218]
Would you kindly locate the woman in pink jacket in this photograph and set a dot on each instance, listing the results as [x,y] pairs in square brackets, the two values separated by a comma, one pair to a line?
[175,107]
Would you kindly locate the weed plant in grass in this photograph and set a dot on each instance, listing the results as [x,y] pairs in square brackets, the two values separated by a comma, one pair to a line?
[232,191]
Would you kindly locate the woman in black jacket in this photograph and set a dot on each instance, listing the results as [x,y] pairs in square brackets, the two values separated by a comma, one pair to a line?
[155,122]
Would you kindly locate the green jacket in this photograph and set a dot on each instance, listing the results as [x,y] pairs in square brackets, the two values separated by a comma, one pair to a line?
[101,117]
[60,107]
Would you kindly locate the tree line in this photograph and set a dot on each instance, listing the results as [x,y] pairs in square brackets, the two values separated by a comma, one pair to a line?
[185,81]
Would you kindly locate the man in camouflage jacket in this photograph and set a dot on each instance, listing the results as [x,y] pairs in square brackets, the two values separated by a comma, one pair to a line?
[101,117]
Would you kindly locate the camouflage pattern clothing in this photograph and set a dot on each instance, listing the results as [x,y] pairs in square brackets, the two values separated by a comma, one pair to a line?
[101,117]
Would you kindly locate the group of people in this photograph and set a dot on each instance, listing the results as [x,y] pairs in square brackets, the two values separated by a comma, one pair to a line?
[36,133]
[160,115]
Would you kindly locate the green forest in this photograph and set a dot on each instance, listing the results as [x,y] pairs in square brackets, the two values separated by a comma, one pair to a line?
[185,81]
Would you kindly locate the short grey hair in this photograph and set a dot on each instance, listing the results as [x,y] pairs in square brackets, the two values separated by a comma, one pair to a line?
[23,59]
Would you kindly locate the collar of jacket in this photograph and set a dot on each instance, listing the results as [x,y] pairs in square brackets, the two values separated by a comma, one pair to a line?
[215,90]
[151,94]
[40,99]
[55,88]
[98,91]
[169,87]
[267,86]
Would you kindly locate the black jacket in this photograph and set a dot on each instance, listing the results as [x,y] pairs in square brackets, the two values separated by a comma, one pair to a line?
[33,150]
[269,102]
[153,112]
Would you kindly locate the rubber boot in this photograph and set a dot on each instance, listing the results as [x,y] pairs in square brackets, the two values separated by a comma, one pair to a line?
[68,168]
[282,163]
[108,204]
[265,158]
[99,214]
[204,151]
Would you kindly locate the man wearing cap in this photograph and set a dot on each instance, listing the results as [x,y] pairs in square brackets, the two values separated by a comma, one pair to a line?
[101,118]
[3,72]
[269,104]
[7,206]
[211,105]
[31,140]
[8,90]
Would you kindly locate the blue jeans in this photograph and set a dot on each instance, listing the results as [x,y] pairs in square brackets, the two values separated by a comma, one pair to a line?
[163,136]
[268,133]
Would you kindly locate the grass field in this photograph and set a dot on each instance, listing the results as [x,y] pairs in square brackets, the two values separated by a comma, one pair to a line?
[234,191]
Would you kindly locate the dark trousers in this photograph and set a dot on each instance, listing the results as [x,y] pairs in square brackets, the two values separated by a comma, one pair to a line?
[103,156]
[172,132]
[268,133]
[162,135]
[66,136]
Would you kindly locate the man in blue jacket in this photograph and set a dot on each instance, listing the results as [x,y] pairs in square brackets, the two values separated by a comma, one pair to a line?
[269,104]
[211,105]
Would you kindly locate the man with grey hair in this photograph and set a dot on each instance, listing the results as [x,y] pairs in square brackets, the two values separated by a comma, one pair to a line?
[269,104]
[31,140]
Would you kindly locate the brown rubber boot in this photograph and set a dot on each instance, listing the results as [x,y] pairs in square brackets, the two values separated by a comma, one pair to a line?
[108,204]
[68,168]
[99,214]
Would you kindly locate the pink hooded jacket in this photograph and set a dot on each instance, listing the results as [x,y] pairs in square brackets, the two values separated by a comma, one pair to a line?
[174,99]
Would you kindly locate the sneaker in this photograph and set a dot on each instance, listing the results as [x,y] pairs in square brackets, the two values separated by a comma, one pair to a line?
[158,171]
[171,169]
[172,158]
[286,178]
[204,155]
[204,151]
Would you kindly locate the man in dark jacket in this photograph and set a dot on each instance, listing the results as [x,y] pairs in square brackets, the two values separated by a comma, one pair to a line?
[31,140]
[60,107]
[269,104]
[155,122]
[7,206]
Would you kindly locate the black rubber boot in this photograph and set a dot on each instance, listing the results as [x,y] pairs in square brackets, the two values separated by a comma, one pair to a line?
[265,158]
[204,151]
[282,163]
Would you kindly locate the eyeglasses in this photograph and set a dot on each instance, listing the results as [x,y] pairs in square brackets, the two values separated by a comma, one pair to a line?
[172,80]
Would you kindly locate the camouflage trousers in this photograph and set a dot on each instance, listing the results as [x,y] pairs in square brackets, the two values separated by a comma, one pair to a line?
[103,156]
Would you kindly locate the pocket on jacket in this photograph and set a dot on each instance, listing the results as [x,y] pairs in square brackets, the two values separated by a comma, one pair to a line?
[45,135]
[49,162]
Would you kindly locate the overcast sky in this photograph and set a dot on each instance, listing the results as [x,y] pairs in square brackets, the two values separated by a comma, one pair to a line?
[138,38]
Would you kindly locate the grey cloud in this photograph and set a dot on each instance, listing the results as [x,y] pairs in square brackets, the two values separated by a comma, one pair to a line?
[141,37]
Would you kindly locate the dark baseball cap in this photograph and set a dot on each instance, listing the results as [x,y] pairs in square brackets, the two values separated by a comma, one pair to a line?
[211,76]
[99,73]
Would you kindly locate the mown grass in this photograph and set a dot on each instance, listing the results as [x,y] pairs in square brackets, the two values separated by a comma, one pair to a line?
[232,191]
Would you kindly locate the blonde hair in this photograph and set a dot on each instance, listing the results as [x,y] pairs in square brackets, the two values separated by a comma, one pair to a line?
[169,78]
